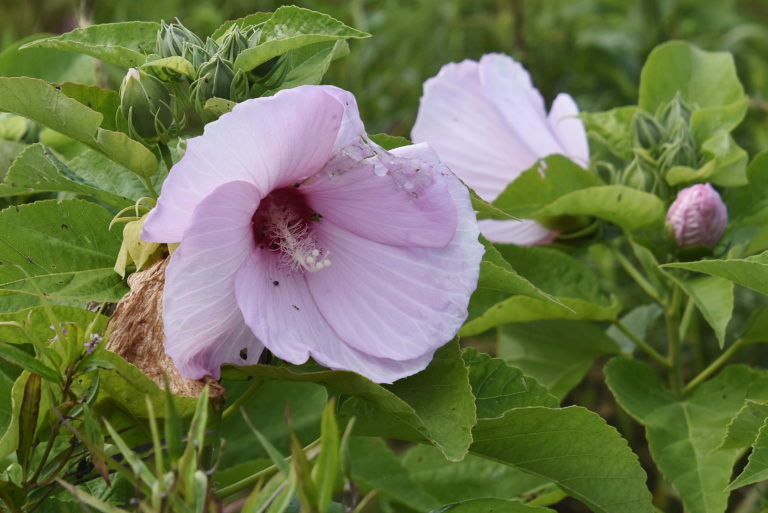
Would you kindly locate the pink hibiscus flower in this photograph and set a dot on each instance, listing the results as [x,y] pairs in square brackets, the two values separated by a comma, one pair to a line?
[488,124]
[300,235]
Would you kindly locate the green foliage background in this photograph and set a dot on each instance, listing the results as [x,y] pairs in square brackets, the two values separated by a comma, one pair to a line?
[593,49]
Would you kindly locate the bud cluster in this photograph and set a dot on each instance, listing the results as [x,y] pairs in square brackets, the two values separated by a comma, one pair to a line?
[661,142]
[152,100]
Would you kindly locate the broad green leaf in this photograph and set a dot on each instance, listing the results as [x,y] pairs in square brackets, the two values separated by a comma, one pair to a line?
[756,329]
[61,249]
[45,63]
[713,297]
[6,387]
[751,272]
[37,169]
[612,129]
[373,465]
[95,168]
[436,404]
[745,425]
[574,287]
[168,67]
[707,81]
[572,447]
[498,387]
[104,101]
[472,478]
[640,321]
[486,210]
[491,506]
[44,103]
[217,107]
[749,199]
[125,44]
[725,164]
[38,325]
[310,63]
[683,435]
[497,273]
[9,150]
[557,354]
[245,22]
[757,466]
[292,27]
[267,410]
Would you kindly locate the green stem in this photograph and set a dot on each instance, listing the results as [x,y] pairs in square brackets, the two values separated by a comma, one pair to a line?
[673,341]
[636,275]
[714,366]
[166,154]
[642,344]
[235,406]
[685,322]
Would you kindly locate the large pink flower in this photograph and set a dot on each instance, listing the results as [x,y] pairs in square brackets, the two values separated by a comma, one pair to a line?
[488,124]
[298,233]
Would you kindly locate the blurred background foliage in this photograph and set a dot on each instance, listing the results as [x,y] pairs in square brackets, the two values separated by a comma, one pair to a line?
[593,49]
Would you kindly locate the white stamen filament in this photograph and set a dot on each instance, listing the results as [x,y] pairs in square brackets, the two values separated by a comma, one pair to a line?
[297,246]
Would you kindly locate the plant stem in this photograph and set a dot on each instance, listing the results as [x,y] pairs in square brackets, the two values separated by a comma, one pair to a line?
[685,322]
[166,154]
[235,406]
[714,366]
[642,344]
[636,275]
[673,341]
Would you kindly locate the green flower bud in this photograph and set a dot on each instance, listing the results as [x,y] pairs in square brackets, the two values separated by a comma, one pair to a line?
[214,80]
[648,133]
[195,54]
[172,37]
[270,75]
[233,42]
[145,101]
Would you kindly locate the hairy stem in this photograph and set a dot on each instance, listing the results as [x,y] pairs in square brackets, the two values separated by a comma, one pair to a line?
[672,317]
[642,344]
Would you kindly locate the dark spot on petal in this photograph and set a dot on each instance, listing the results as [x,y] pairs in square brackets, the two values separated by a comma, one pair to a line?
[244,353]
[316,217]
[275,283]
[297,185]
[296,307]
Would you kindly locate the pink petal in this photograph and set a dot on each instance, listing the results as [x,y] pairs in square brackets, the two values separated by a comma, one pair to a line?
[279,309]
[523,233]
[387,199]
[256,143]
[352,129]
[567,126]
[508,86]
[203,325]
[397,302]
[467,131]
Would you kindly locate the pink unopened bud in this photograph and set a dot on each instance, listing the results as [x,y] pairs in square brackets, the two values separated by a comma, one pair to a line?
[698,217]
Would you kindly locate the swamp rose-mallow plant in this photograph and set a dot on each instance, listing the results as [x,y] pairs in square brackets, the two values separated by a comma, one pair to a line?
[300,235]
[697,217]
[488,124]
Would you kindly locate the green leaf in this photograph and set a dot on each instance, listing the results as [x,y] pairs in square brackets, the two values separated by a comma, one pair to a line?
[309,64]
[171,66]
[707,81]
[375,466]
[28,362]
[751,272]
[217,107]
[713,297]
[557,354]
[612,129]
[472,478]
[435,404]
[744,426]
[98,170]
[498,387]
[37,169]
[757,466]
[725,163]
[756,329]
[574,287]
[497,273]
[126,152]
[326,470]
[640,321]
[9,150]
[104,101]
[45,63]
[9,438]
[63,250]
[245,22]
[683,434]
[572,447]
[125,44]
[389,142]
[491,506]
[292,27]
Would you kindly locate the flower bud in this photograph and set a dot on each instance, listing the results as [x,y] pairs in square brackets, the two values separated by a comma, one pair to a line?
[233,42]
[172,37]
[145,101]
[214,80]
[698,217]
[270,75]
[647,131]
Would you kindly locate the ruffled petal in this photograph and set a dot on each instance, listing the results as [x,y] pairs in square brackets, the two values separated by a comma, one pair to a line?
[569,128]
[523,233]
[508,86]
[396,302]
[385,198]
[203,325]
[352,130]
[278,307]
[467,131]
[259,142]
